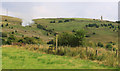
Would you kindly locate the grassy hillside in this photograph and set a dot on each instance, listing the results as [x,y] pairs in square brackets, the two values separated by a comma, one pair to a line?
[44,30]
[102,34]
[16,58]
[14,25]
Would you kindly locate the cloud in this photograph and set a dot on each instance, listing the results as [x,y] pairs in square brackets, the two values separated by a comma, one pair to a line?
[29,10]
[50,11]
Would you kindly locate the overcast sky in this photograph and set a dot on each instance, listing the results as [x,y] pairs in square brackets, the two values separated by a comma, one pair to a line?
[30,10]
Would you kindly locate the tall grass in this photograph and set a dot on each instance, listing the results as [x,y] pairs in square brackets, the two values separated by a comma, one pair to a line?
[103,56]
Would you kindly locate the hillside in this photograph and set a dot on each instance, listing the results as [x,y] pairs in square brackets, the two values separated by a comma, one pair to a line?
[12,24]
[101,41]
[102,33]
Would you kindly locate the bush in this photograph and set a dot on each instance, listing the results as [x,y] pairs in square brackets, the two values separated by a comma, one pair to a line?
[61,51]
[52,21]
[29,40]
[3,42]
[21,41]
[11,27]
[4,35]
[16,31]
[60,21]
[11,39]
[109,46]
[5,19]
[50,42]
[6,25]
[22,35]
[2,25]
[66,21]
[94,33]
[73,30]
[87,35]
[12,32]
[100,44]
[73,40]
[40,26]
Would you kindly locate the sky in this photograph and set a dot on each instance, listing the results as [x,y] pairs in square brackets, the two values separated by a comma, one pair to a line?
[32,10]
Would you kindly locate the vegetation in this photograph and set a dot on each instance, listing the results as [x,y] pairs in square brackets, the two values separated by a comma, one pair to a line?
[97,42]
[18,58]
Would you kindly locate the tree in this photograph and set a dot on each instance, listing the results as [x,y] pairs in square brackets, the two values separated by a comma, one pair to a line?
[80,36]
[74,39]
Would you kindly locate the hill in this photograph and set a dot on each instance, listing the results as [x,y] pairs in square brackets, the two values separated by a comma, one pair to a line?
[101,35]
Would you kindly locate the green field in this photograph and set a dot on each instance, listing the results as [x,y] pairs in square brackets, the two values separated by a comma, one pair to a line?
[16,58]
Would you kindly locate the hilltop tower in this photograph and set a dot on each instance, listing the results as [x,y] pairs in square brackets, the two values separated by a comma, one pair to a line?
[101,17]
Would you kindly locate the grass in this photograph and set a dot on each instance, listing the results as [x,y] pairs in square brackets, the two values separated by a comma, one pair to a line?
[16,58]
[0,58]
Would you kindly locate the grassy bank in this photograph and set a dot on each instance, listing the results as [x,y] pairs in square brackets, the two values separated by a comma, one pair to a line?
[16,58]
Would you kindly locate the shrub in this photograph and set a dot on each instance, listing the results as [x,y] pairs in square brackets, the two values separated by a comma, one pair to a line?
[5,19]
[100,44]
[11,39]
[67,39]
[52,21]
[109,46]
[47,34]
[22,35]
[60,21]
[4,35]
[66,21]
[2,25]
[87,35]
[6,25]
[40,26]
[29,40]
[94,33]
[11,27]
[73,30]
[50,42]
[61,51]
[21,40]
[12,32]
[3,42]
[16,31]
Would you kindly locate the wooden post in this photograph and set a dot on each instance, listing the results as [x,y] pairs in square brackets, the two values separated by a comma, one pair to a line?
[116,53]
[56,42]
[86,51]
[96,52]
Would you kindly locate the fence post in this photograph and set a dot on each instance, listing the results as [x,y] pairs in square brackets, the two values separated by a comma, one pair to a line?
[96,52]
[116,53]
[56,42]
[86,51]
